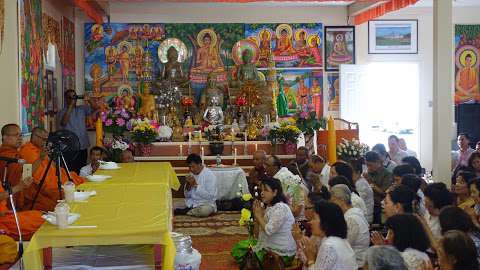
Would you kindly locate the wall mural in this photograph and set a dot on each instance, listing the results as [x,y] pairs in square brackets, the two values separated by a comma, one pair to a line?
[68,53]
[467,44]
[128,59]
[32,91]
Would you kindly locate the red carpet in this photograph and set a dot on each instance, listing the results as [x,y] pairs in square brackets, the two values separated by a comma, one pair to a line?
[213,237]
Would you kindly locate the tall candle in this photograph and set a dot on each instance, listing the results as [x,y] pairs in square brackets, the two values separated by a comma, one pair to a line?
[256,147]
[99,132]
[245,149]
[331,141]
[181,149]
[235,157]
[202,154]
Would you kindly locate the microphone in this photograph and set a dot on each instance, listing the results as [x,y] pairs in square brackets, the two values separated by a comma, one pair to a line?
[13,160]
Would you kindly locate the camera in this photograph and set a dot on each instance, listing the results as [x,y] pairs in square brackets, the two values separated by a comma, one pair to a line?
[78,97]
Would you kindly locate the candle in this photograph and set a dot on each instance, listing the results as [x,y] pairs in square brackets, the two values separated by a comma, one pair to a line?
[189,142]
[235,157]
[256,147]
[245,149]
[202,153]
[331,141]
[232,133]
[181,149]
[99,132]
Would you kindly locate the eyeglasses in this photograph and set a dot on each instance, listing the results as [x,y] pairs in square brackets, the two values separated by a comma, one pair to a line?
[309,208]
[40,137]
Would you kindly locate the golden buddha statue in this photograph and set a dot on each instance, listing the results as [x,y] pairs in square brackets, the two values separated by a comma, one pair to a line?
[177,131]
[148,103]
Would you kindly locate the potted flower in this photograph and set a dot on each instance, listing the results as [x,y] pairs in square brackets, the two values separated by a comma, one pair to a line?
[115,121]
[288,134]
[351,150]
[115,147]
[144,134]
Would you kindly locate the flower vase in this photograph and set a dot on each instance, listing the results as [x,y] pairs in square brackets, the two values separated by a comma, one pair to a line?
[290,148]
[145,149]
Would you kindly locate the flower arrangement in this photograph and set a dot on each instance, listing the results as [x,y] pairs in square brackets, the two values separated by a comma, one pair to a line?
[115,121]
[143,131]
[246,216]
[286,132]
[115,147]
[348,150]
[307,122]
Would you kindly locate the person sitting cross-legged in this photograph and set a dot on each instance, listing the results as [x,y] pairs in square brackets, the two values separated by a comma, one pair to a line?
[200,189]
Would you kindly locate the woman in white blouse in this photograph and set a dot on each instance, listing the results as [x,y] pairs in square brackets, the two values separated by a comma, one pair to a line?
[273,223]
[407,234]
[334,253]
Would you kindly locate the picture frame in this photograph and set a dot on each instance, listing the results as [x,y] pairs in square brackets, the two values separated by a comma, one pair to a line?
[339,46]
[393,37]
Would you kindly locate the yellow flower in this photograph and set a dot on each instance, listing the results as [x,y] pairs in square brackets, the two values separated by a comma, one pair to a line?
[245,216]
[247,197]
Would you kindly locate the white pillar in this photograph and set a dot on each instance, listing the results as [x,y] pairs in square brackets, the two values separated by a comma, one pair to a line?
[442,89]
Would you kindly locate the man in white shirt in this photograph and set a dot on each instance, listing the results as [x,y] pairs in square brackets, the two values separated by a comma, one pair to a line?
[200,189]
[96,154]
[461,156]
[403,145]
[394,151]
[320,167]
[358,234]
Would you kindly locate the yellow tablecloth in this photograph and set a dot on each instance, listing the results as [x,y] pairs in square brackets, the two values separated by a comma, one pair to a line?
[133,207]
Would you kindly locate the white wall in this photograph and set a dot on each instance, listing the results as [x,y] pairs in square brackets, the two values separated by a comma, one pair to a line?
[9,88]
[424,15]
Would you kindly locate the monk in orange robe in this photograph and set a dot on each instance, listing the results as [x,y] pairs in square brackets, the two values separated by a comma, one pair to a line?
[33,152]
[29,221]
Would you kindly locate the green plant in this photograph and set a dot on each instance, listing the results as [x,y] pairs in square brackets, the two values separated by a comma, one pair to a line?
[144,133]
[308,122]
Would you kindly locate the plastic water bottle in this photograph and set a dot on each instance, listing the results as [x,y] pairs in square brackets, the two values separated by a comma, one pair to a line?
[61,213]
[69,191]
[218,160]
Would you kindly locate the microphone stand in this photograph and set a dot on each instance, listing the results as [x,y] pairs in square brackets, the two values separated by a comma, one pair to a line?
[8,187]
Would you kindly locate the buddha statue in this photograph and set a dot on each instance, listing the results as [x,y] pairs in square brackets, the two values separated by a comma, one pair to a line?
[172,70]
[213,113]
[148,102]
[125,101]
[212,90]
[247,71]
[177,131]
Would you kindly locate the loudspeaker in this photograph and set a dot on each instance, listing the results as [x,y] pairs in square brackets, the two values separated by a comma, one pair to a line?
[467,117]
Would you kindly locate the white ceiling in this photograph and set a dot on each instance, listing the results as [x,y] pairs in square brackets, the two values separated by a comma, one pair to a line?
[263,3]
[457,3]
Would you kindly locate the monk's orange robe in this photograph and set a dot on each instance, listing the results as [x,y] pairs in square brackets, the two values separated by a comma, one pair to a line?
[14,172]
[29,221]
[49,195]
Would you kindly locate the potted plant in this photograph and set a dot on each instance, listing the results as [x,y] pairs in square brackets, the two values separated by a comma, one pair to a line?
[144,134]
[115,121]
[287,133]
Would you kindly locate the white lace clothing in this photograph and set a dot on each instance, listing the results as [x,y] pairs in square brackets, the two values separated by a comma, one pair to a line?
[334,253]
[414,259]
[277,235]
[325,175]
[359,203]
[366,193]
[294,190]
[422,209]
[358,234]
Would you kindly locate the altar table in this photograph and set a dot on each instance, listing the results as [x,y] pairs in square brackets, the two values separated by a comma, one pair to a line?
[133,207]
[230,182]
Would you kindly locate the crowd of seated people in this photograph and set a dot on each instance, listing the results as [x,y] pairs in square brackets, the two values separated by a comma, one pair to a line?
[376,212]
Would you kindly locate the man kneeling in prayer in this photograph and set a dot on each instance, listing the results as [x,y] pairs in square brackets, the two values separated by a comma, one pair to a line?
[200,189]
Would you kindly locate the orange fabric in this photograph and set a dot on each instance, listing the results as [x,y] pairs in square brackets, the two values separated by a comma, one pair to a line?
[381,10]
[29,221]
[14,175]
[49,195]
[468,78]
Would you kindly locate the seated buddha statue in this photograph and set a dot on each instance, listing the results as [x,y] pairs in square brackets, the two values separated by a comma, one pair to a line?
[172,70]
[212,90]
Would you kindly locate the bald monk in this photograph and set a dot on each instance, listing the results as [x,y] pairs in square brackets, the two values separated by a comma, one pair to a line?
[11,141]
[29,221]
[258,171]
[34,152]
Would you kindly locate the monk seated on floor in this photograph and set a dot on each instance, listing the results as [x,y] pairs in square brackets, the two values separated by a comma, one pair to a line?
[29,221]
[34,152]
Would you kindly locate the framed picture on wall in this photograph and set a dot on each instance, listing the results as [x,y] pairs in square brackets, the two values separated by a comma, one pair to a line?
[339,46]
[393,37]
